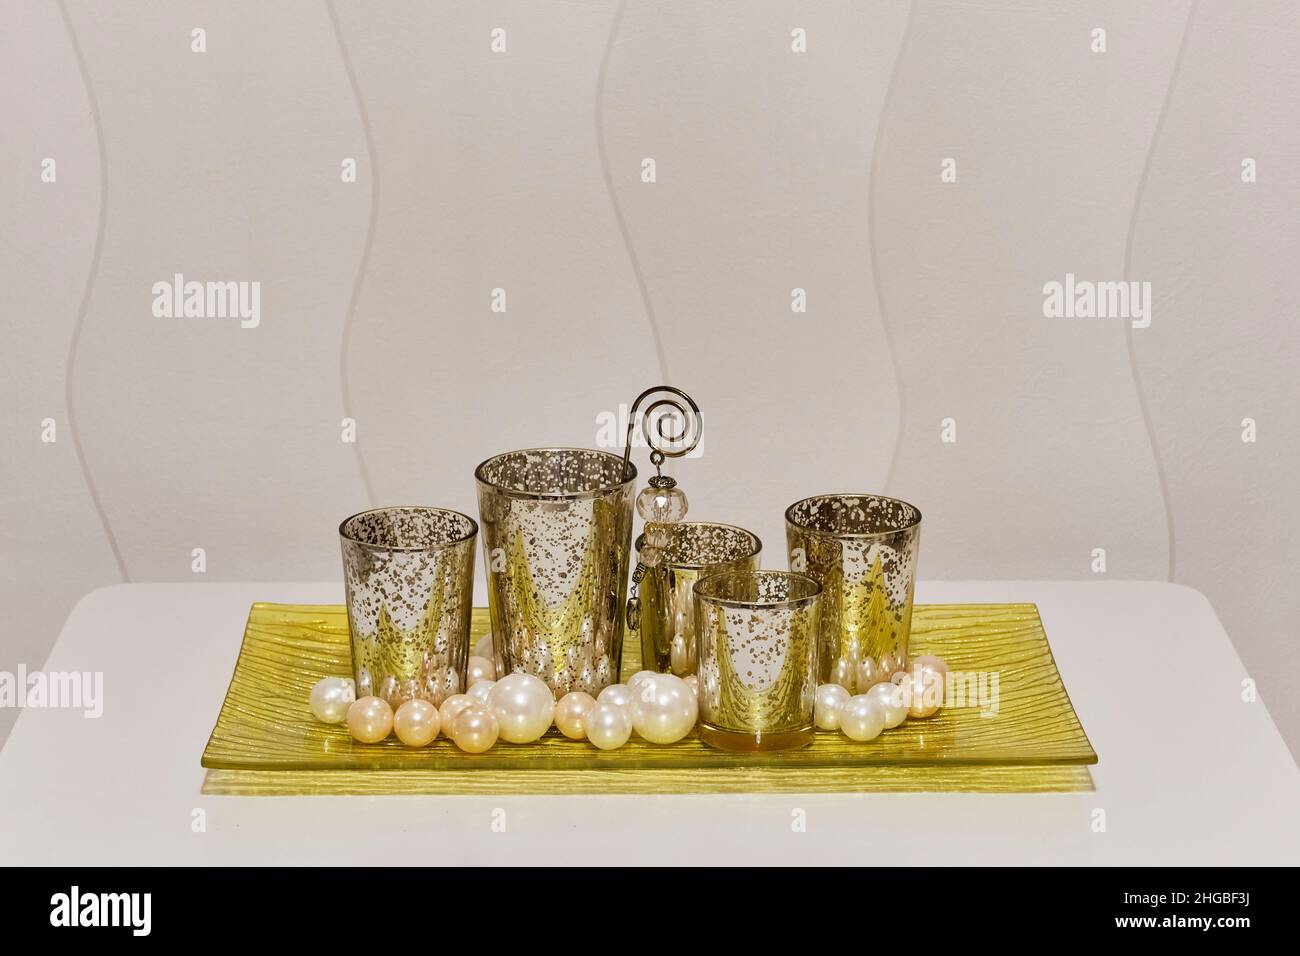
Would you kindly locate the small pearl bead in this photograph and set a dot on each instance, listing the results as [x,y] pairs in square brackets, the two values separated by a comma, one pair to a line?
[929,660]
[616,694]
[479,668]
[889,698]
[663,709]
[483,647]
[390,691]
[331,697]
[868,674]
[452,706]
[842,673]
[475,729]
[416,723]
[926,692]
[571,714]
[609,725]
[827,704]
[523,706]
[370,719]
[861,718]
[480,689]
[693,682]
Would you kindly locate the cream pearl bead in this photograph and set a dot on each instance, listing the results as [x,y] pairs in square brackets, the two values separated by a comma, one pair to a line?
[479,668]
[571,714]
[616,694]
[480,689]
[868,674]
[693,682]
[827,704]
[889,698]
[523,706]
[450,707]
[416,723]
[929,660]
[483,647]
[861,718]
[663,709]
[370,719]
[609,725]
[331,697]
[925,689]
[475,729]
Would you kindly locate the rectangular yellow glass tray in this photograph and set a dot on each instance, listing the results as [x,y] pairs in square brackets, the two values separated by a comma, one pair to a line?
[266,741]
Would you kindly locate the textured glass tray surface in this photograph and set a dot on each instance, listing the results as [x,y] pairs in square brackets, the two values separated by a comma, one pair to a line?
[266,740]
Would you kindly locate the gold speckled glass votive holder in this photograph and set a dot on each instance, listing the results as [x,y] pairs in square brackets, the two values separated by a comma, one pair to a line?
[696,549]
[862,549]
[757,633]
[409,577]
[557,532]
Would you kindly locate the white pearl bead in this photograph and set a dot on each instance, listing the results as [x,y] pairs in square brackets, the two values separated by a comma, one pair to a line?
[475,729]
[861,718]
[638,677]
[370,719]
[479,668]
[416,723]
[523,706]
[679,654]
[868,674]
[483,647]
[450,707]
[480,689]
[693,682]
[331,697]
[571,714]
[609,725]
[616,694]
[663,709]
[889,698]
[827,704]
[842,673]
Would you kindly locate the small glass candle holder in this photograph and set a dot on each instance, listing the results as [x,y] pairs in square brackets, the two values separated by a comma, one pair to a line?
[757,633]
[695,550]
[557,533]
[862,549]
[409,577]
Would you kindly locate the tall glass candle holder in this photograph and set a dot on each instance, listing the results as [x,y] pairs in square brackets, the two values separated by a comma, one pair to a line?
[695,549]
[557,532]
[862,549]
[757,633]
[409,577]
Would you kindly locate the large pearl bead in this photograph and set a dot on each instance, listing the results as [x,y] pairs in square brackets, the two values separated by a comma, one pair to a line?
[827,704]
[479,668]
[616,694]
[861,718]
[331,697]
[523,705]
[483,647]
[370,719]
[571,714]
[450,707]
[609,725]
[638,677]
[663,709]
[416,723]
[889,698]
[480,690]
[474,729]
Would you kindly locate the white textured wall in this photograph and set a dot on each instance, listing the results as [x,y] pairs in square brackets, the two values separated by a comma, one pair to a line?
[776,170]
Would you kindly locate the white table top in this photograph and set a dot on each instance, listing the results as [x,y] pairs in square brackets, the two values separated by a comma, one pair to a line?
[1189,773]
